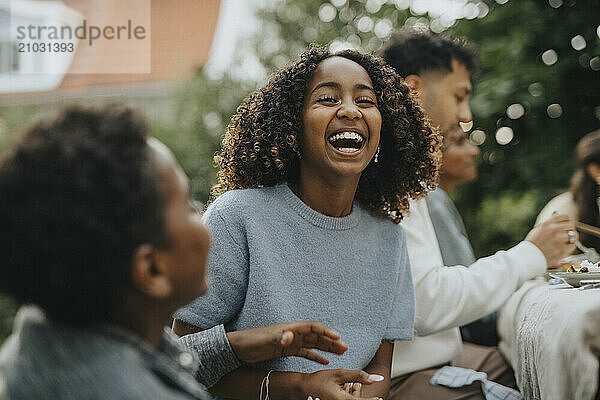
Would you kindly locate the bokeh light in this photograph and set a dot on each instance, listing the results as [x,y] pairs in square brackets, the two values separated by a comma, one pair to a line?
[417,24]
[466,126]
[436,26]
[549,57]
[327,12]
[402,4]
[470,11]
[374,44]
[515,111]
[578,42]
[383,28]
[554,110]
[584,60]
[338,3]
[447,20]
[504,135]
[339,45]
[477,137]
[347,14]
[365,24]
[309,34]
[595,63]
[212,121]
[418,7]
[501,1]
[354,39]
[372,6]
[536,89]
[483,10]
[555,3]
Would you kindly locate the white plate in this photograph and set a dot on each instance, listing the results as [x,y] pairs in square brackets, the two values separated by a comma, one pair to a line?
[573,278]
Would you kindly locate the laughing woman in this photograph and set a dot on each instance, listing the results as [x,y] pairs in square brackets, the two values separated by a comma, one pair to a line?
[315,174]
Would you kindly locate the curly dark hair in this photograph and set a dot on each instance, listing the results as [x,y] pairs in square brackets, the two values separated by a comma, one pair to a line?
[262,143]
[78,196]
[414,52]
[584,188]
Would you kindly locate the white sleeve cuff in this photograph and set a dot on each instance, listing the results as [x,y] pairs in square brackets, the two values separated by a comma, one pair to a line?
[532,260]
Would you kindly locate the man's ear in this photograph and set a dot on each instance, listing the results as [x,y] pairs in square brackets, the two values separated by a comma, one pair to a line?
[149,274]
[415,82]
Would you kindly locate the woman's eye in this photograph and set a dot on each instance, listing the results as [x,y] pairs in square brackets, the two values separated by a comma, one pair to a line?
[460,99]
[365,100]
[327,99]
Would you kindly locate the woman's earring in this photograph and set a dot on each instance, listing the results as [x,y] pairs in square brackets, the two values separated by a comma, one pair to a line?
[377,154]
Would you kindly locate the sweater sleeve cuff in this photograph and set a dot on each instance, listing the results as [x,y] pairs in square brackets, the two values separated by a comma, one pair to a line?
[214,352]
[532,260]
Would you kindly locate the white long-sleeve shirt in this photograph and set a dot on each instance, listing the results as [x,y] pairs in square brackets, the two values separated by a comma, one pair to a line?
[447,298]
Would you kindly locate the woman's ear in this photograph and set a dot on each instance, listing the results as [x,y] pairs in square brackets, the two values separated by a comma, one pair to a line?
[149,274]
[593,170]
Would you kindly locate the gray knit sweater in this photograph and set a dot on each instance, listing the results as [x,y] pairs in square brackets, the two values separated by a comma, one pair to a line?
[274,259]
[46,360]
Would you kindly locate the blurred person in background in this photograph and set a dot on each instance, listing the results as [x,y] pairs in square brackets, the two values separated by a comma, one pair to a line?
[100,238]
[439,70]
[582,201]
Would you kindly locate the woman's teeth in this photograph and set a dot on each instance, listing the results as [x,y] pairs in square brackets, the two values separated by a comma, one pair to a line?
[346,142]
[346,135]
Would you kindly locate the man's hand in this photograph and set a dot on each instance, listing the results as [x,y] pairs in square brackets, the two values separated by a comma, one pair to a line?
[552,239]
[287,339]
[333,384]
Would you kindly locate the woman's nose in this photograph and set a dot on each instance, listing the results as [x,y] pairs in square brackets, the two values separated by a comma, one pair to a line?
[349,111]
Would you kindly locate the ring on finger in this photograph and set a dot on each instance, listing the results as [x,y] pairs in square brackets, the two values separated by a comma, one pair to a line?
[571,235]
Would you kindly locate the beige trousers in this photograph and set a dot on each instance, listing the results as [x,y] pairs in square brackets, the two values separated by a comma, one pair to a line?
[480,358]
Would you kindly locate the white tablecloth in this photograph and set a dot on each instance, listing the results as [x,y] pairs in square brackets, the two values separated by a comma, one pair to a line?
[551,336]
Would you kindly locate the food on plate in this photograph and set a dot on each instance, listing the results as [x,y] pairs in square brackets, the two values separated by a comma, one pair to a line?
[565,266]
[591,267]
[584,266]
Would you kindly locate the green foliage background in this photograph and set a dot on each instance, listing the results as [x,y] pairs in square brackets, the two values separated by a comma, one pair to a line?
[515,179]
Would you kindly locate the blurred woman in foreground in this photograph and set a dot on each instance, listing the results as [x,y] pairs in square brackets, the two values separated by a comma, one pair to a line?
[98,232]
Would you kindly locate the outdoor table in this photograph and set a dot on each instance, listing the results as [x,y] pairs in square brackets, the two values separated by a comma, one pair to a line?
[551,336]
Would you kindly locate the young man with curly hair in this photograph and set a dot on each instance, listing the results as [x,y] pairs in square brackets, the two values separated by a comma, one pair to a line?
[316,172]
[99,234]
[439,70]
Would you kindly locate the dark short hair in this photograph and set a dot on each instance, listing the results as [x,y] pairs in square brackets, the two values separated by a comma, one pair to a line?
[77,195]
[262,143]
[412,52]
